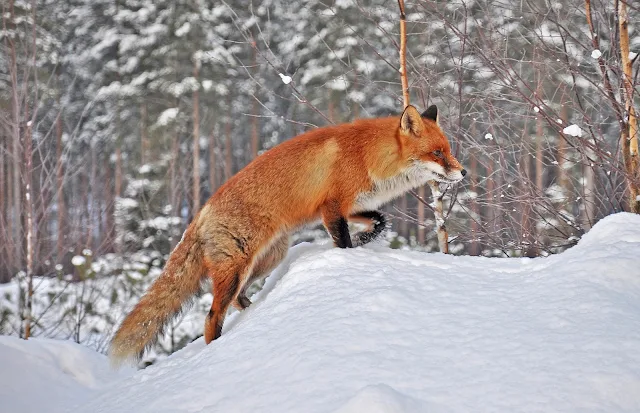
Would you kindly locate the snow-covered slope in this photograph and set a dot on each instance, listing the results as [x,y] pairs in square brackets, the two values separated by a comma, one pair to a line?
[41,374]
[379,330]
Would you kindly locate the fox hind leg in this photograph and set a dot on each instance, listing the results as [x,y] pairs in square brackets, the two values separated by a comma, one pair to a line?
[226,286]
[264,265]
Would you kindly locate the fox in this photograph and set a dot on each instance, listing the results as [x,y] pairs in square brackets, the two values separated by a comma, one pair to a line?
[333,174]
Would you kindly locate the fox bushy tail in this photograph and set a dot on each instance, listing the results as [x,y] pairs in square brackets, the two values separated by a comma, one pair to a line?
[177,285]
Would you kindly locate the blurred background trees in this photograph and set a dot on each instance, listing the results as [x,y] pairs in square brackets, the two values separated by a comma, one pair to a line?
[132,113]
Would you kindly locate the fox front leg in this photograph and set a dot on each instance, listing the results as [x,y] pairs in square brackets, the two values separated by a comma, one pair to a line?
[336,225]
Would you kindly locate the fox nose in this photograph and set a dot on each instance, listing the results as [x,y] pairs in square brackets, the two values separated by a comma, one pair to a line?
[463,172]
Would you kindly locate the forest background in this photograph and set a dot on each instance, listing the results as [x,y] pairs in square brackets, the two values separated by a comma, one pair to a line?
[119,118]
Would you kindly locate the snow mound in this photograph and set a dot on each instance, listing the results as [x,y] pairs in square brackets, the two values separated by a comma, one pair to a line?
[385,399]
[388,331]
[42,374]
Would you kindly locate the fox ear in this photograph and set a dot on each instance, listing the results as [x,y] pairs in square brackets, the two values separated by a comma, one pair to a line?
[431,113]
[411,122]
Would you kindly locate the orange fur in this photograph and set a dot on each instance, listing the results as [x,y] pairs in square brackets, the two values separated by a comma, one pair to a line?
[242,231]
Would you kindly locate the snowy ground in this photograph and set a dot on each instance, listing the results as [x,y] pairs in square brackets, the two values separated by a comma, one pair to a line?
[386,331]
[41,375]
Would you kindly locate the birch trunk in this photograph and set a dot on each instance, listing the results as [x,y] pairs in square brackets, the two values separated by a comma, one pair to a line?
[29,231]
[441,230]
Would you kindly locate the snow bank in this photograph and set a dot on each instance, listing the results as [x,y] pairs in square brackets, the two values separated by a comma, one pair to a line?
[45,375]
[385,331]
[380,330]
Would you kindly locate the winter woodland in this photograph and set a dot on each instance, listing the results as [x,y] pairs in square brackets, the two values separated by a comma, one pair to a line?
[119,118]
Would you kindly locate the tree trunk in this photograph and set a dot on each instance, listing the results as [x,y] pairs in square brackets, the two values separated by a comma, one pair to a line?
[539,161]
[118,183]
[5,239]
[175,153]
[356,106]
[2,180]
[42,202]
[539,158]
[489,198]
[476,221]
[85,212]
[331,107]
[109,208]
[404,223]
[228,171]
[60,204]
[92,205]
[144,139]
[629,135]
[255,134]
[421,232]
[9,247]
[29,230]
[196,144]
[403,54]
[11,221]
[117,186]
[528,249]
[15,129]
[589,189]
[441,230]
[563,179]
[28,184]
[255,137]
[212,162]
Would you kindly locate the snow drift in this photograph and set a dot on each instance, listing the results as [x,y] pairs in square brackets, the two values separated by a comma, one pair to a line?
[380,330]
[41,374]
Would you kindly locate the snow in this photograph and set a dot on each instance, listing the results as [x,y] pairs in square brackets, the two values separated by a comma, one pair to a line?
[573,130]
[207,85]
[380,330]
[596,54]
[184,29]
[285,79]
[381,398]
[144,169]
[167,116]
[488,137]
[41,374]
[357,96]
[78,260]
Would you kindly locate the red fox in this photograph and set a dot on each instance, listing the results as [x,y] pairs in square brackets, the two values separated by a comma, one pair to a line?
[336,174]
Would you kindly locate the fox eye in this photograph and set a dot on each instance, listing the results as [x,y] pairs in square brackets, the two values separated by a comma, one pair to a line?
[438,154]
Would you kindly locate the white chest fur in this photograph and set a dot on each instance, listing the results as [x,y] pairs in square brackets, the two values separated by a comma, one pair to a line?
[384,190]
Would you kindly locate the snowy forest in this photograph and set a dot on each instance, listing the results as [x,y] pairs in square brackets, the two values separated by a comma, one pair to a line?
[119,118]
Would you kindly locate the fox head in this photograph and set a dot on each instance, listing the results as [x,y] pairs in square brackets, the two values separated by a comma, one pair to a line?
[425,147]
